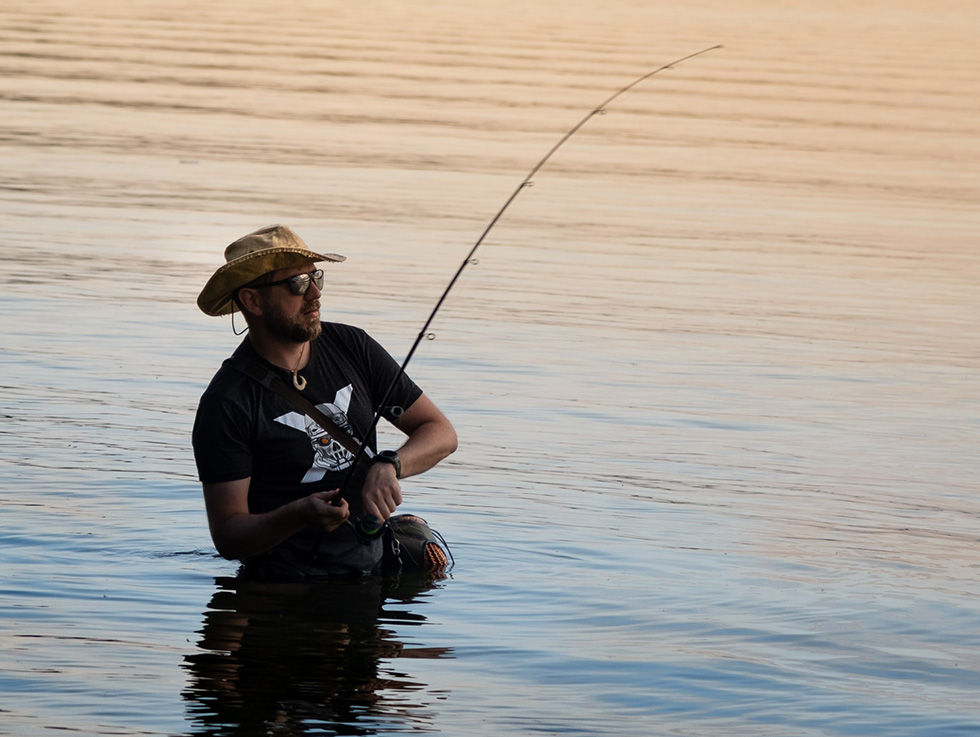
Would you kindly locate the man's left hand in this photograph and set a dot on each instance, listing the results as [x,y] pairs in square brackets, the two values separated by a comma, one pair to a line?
[381,493]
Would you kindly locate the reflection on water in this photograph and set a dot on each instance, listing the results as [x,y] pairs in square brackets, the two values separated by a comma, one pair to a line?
[295,659]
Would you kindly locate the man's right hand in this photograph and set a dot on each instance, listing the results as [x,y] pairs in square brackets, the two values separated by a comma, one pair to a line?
[328,509]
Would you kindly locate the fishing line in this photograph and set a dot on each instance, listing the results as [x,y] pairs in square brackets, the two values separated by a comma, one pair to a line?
[424,333]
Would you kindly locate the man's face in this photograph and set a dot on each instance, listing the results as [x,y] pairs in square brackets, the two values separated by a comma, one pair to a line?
[293,317]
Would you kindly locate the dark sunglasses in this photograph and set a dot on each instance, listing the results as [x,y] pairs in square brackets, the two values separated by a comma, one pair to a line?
[299,284]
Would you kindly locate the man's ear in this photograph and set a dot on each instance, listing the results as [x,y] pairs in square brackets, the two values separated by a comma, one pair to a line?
[249,301]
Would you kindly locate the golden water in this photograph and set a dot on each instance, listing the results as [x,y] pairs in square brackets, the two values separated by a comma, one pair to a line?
[715,375]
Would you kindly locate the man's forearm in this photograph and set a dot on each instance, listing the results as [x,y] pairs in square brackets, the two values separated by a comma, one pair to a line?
[243,535]
[238,534]
[426,446]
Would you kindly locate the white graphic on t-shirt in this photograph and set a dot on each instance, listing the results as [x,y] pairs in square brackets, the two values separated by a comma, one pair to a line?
[328,454]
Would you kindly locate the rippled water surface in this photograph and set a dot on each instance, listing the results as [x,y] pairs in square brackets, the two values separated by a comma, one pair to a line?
[715,376]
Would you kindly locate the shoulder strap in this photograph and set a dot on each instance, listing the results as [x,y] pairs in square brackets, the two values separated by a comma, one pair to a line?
[271,381]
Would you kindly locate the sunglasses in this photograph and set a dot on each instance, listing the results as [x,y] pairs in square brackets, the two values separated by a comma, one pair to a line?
[299,284]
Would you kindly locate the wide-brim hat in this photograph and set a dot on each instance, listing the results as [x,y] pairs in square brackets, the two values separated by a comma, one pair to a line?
[266,250]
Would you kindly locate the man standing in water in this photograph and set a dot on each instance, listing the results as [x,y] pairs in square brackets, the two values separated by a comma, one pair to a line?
[270,473]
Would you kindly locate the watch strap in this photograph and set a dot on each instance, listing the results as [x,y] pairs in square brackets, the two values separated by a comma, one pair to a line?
[390,456]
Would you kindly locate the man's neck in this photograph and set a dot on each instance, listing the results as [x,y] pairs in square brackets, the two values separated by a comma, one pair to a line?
[285,354]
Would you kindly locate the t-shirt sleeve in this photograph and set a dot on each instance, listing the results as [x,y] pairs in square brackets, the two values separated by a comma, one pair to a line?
[221,441]
[383,370]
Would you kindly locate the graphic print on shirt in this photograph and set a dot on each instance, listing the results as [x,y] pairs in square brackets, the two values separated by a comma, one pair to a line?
[328,454]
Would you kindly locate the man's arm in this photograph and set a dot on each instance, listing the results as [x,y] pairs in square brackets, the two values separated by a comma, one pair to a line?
[431,438]
[237,534]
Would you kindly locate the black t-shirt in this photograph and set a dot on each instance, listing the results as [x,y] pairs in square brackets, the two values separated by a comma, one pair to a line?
[244,430]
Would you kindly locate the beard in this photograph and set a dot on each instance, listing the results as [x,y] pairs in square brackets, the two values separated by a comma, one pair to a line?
[290,328]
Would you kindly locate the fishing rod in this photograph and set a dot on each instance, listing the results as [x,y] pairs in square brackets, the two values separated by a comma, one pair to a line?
[527,182]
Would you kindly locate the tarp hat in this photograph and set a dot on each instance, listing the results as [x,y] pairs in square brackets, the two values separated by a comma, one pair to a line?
[251,256]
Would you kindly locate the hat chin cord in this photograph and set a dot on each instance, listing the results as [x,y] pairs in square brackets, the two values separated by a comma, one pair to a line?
[245,330]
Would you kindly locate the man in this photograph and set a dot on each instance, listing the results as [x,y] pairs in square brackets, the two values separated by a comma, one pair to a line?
[270,473]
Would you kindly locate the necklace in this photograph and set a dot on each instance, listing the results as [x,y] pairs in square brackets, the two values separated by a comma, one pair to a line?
[298,381]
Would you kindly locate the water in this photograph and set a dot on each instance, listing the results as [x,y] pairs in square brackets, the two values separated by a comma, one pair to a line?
[715,375]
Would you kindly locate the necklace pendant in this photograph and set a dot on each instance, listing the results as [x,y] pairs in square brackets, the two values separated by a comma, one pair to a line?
[298,381]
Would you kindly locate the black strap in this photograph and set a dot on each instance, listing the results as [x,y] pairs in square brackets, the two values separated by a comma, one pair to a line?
[270,380]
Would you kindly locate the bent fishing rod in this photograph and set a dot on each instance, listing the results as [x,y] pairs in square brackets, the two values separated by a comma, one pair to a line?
[469,259]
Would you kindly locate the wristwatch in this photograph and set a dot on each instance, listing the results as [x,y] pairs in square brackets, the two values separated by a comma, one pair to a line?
[390,456]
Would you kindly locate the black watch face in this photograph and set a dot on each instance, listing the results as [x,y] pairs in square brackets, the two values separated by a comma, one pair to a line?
[390,456]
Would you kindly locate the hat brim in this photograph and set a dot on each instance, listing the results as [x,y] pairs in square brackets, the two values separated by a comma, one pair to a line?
[217,296]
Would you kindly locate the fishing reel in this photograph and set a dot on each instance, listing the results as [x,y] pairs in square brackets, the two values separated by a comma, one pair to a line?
[368,528]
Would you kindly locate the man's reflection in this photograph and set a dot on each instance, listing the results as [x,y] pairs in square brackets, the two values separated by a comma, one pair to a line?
[292,659]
